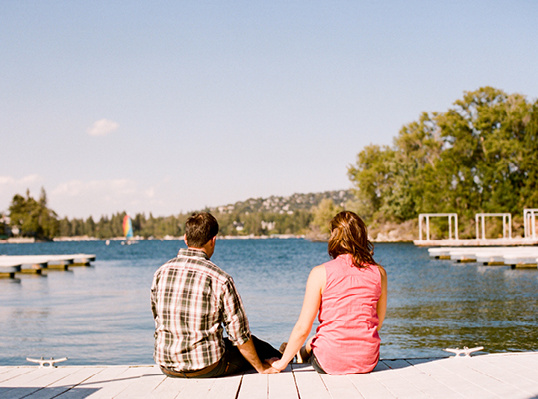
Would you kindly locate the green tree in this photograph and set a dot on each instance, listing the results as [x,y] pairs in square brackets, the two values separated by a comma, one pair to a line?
[323,214]
[33,218]
[64,229]
[478,156]
[90,227]
[374,178]
[529,162]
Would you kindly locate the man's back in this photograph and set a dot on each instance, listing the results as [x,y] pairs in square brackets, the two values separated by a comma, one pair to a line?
[191,300]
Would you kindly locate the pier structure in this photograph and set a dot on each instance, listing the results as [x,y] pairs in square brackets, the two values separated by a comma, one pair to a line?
[525,257]
[530,238]
[425,217]
[480,220]
[529,220]
[35,264]
[500,375]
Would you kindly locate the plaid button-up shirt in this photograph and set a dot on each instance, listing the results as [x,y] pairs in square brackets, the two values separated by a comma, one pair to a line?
[191,300]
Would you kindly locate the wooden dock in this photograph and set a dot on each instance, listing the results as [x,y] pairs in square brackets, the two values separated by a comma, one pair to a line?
[516,257]
[12,264]
[508,375]
[496,242]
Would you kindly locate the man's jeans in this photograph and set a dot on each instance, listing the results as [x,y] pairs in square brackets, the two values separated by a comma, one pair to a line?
[233,361]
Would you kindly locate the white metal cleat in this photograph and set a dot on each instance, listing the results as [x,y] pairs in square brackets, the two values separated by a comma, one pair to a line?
[47,362]
[465,352]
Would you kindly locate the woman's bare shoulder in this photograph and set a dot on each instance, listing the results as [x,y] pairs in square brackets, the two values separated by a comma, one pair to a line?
[382,270]
[318,270]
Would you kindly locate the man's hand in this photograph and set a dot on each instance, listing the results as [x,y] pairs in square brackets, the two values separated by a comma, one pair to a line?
[268,369]
[249,352]
[278,364]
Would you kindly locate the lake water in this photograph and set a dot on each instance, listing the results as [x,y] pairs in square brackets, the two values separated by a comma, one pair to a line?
[101,314]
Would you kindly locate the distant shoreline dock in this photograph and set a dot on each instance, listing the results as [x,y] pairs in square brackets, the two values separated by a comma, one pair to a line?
[35,264]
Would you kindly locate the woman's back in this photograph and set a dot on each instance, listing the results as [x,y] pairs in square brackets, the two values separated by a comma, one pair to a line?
[347,340]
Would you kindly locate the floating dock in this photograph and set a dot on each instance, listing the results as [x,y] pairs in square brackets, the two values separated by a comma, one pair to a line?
[494,242]
[10,265]
[508,375]
[516,257]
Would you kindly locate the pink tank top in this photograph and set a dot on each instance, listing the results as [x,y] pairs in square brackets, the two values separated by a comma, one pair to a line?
[347,341]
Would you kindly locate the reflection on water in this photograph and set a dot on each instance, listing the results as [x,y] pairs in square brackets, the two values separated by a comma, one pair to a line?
[101,314]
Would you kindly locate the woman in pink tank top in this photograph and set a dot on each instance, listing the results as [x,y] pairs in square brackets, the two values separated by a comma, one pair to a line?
[350,294]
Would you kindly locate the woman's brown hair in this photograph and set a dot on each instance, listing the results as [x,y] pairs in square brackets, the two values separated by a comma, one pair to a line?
[349,236]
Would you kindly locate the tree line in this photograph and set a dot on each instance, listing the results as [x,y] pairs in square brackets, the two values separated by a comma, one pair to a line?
[32,218]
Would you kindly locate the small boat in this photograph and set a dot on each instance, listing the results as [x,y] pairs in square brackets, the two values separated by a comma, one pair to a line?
[128,231]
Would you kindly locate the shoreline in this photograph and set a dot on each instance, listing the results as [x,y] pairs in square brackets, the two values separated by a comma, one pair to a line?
[383,239]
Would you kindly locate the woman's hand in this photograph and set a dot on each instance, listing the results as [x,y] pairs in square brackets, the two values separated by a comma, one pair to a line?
[279,365]
[267,368]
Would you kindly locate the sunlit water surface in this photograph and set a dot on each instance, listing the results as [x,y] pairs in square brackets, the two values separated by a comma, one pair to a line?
[101,314]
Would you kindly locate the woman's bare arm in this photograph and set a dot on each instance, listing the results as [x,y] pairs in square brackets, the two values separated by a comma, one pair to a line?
[382,303]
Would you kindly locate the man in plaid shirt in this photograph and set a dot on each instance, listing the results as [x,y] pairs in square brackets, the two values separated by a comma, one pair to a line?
[192,299]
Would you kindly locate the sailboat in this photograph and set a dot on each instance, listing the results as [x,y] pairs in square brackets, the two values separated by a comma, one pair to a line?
[128,231]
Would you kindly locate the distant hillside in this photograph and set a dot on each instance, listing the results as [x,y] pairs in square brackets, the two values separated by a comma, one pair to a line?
[285,205]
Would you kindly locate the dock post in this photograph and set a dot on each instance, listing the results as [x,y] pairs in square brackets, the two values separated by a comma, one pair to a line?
[529,220]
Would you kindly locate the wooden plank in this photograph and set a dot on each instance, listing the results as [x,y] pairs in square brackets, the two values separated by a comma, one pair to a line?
[421,380]
[196,388]
[225,388]
[150,378]
[12,372]
[169,388]
[18,372]
[282,385]
[369,387]
[254,386]
[26,384]
[525,363]
[96,383]
[309,383]
[466,367]
[201,388]
[76,376]
[447,377]
[397,384]
[119,384]
[514,376]
[340,386]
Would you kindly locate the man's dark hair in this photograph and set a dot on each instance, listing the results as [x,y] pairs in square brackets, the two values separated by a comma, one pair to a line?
[200,228]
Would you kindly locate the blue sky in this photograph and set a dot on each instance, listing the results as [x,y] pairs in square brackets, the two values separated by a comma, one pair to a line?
[171,106]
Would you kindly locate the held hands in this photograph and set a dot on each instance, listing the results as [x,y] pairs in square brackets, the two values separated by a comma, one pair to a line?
[278,364]
[267,367]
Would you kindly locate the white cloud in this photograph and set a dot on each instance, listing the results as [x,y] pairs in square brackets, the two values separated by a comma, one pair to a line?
[150,192]
[9,181]
[102,127]
[77,198]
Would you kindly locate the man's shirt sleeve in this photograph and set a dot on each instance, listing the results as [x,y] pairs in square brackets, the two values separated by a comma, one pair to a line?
[153,296]
[234,316]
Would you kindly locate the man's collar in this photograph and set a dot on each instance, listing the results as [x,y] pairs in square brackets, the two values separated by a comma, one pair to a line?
[193,252]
